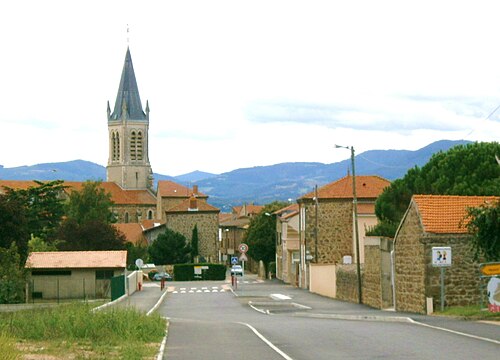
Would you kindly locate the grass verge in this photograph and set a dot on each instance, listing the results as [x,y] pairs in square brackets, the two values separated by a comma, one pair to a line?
[470,313]
[73,331]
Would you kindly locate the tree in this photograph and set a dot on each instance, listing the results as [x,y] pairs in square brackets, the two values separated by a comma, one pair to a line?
[12,276]
[463,170]
[484,224]
[170,247]
[38,244]
[14,225]
[135,252]
[261,234]
[194,243]
[92,203]
[93,235]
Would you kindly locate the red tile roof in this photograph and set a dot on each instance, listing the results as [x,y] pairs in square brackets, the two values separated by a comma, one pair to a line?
[184,206]
[118,195]
[445,214]
[168,188]
[133,233]
[77,259]
[366,187]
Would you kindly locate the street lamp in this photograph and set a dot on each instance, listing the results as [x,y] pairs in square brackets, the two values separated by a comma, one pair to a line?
[356,231]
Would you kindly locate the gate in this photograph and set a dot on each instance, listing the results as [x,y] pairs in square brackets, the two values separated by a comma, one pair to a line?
[117,287]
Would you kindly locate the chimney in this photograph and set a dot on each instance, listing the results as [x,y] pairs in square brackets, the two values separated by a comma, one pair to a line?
[195,190]
[193,206]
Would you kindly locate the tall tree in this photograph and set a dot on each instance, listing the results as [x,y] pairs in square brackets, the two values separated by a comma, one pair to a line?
[463,170]
[12,276]
[194,243]
[261,234]
[91,203]
[484,224]
[170,247]
[14,225]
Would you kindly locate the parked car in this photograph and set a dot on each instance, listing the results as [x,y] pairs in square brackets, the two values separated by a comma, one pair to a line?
[237,270]
[162,275]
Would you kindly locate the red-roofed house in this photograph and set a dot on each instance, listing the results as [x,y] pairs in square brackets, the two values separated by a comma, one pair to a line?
[74,274]
[327,220]
[435,221]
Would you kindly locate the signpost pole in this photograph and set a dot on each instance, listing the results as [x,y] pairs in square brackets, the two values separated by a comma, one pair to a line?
[442,289]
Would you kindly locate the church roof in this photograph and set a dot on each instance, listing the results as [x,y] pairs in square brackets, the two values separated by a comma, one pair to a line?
[128,94]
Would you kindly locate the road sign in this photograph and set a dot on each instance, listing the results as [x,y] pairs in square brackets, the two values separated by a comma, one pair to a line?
[139,263]
[243,248]
[441,256]
[490,269]
[243,257]
[234,260]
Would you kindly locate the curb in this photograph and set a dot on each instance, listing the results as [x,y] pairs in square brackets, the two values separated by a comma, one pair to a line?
[357,317]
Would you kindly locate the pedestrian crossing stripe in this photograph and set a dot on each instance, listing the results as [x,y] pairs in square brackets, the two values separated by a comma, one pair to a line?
[183,290]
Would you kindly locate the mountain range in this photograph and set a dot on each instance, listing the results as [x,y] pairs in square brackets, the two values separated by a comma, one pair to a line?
[258,185]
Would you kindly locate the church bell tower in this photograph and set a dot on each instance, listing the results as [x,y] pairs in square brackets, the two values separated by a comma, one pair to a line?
[128,125]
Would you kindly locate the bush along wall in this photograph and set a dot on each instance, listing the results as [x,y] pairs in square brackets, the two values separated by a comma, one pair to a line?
[190,272]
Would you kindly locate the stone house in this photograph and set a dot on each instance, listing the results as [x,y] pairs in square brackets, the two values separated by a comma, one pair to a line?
[287,244]
[327,231]
[74,274]
[232,229]
[434,221]
[192,212]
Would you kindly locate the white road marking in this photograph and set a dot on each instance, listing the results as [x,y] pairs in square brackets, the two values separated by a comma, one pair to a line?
[270,344]
[280,297]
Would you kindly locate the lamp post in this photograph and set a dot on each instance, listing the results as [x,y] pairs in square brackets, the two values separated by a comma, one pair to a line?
[356,231]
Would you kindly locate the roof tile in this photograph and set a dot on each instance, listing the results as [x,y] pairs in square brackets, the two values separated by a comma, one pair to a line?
[77,259]
[366,187]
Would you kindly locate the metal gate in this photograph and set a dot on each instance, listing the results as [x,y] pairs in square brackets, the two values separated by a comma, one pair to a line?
[117,287]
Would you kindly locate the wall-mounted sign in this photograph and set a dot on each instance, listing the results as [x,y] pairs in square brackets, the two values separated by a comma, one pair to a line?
[441,256]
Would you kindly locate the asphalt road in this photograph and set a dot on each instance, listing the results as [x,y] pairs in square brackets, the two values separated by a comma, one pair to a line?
[208,323]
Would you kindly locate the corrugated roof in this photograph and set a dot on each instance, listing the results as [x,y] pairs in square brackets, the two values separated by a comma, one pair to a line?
[446,214]
[77,259]
[366,187]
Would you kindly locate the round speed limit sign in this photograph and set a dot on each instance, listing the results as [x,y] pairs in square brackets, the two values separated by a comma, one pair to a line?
[243,248]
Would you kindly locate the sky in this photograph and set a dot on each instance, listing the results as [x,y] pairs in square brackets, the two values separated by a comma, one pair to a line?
[235,84]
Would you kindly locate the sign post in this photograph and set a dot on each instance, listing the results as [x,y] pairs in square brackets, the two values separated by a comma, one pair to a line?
[243,248]
[441,257]
[492,271]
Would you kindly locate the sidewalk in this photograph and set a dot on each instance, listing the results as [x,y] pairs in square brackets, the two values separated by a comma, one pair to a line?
[147,299]
[268,296]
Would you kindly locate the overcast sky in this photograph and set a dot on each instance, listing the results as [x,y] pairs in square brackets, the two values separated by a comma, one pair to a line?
[235,84]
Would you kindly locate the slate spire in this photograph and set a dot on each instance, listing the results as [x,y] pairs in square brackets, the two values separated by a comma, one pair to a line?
[128,102]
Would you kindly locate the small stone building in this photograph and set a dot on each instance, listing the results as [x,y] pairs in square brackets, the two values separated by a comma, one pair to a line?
[433,221]
[74,274]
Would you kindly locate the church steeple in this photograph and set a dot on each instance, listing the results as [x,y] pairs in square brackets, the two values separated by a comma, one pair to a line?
[128,127]
[128,95]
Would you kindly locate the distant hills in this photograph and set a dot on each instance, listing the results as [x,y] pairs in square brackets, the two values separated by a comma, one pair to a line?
[260,184]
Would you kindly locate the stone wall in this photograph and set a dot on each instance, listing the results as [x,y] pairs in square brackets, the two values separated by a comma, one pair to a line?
[136,213]
[462,282]
[372,284]
[347,282]
[410,265]
[335,220]
[208,229]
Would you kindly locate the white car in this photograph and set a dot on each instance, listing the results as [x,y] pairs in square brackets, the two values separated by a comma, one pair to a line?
[237,270]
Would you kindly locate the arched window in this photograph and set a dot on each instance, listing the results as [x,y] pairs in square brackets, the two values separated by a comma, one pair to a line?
[116,146]
[133,146]
[126,217]
[139,145]
[150,214]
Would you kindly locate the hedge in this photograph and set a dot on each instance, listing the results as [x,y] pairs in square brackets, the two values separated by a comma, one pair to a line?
[185,272]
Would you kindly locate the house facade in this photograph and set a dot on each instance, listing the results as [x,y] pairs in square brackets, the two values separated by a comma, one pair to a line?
[436,221]
[326,221]
[287,244]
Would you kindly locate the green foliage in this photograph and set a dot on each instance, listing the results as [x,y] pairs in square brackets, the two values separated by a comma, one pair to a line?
[13,225]
[37,244]
[194,243]
[90,236]
[43,205]
[484,224]
[170,247]
[135,252]
[8,348]
[12,276]
[92,203]
[261,234]
[185,272]
[463,170]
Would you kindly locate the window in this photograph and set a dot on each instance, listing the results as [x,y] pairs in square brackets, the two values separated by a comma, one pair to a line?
[126,217]
[104,274]
[150,214]
[139,145]
[51,272]
[133,145]
[115,144]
